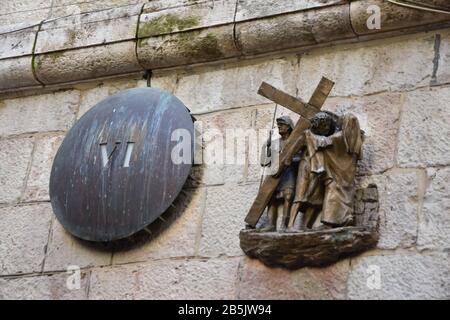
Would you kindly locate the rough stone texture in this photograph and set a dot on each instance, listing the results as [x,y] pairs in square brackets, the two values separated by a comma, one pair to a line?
[198,15]
[251,9]
[165,80]
[24,233]
[374,112]
[64,8]
[15,156]
[87,63]
[399,193]
[393,16]
[224,135]
[442,63]
[84,24]
[402,276]
[24,18]
[46,112]
[226,208]
[167,279]
[37,183]
[425,128]
[256,281]
[188,47]
[43,287]
[95,28]
[16,72]
[360,69]
[331,24]
[16,43]
[234,85]
[156,5]
[175,236]
[434,227]
[90,97]
[65,250]
[311,248]
[23,5]
[278,32]
[294,30]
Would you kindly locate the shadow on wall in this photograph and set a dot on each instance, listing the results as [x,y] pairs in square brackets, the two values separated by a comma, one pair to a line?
[159,226]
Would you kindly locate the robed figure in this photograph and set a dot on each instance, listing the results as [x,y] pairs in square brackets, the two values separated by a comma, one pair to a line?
[283,196]
[325,187]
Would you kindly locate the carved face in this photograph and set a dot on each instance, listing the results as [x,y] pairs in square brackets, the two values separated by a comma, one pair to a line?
[283,128]
[322,124]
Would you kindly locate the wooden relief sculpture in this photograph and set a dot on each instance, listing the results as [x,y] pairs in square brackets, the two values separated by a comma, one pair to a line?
[311,182]
[325,181]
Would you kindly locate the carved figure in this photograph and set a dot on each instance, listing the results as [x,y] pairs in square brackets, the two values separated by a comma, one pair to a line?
[284,193]
[325,181]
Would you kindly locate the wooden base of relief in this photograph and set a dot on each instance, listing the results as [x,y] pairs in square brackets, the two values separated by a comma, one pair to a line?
[317,248]
[311,248]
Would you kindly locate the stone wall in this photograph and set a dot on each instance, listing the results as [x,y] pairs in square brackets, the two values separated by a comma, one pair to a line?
[398,87]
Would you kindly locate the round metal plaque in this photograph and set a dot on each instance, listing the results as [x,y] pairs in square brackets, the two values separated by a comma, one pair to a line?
[114,173]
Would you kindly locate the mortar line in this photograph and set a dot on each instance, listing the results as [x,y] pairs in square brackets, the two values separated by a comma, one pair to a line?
[33,55]
[436,58]
[28,171]
[199,229]
[136,36]
[49,238]
[423,182]
[235,39]
[398,128]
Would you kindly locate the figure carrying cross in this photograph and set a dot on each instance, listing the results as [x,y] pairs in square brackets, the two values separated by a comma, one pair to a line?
[331,146]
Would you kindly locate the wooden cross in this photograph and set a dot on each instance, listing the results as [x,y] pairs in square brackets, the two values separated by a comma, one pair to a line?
[294,142]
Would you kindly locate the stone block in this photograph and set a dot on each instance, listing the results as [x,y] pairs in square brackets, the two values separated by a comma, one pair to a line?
[41,113]
[89,29]
[442,61]
[175,235]
[44,287]
[393,17]
[298,29]
[234,85]
[65,250]
[90,97]
[166,80]
[17,72]
[16,41]
[39,176]
[425,128]
[64,8]
[24,233]
[23,5]
[370,67]
[400,276]
[24,18]
[167,280]
[157,5]
[182,18]
[225,211]
[251,9]
[189,47]
[399,198]
[15,157]
[379,117]
[281,32]
[256,281]
[87,63]
[434,225]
